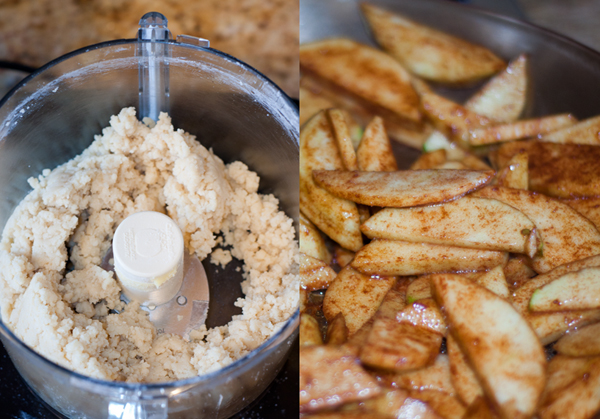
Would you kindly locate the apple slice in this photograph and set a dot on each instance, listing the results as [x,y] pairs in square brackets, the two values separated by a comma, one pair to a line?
[584,132]
[573,291]
[455,165]
[494,281]
[399,346]
[337,331]
[562,372]
[418,289]
[444,404]
[311,104]
[356,296]
[565,234]
[521,129]
[580,399]
[338,218]
[582,342]
[314,273]
[452,119]
[429,53]
[433,377]
[342,256]
[523,294]
[403,188]
[397,403]
[466,222]
[423,313]
[480,409]
[311,241]
[366,72]
[516,173]
[505,353]
[338,119]
[474,162]
[502,99]
[559,170]
[588,207]
[462,376]
[310,333]
[410,133]
[551,326]
[330,376]
[430,160]
[517,271]
[375,152]
[394,257]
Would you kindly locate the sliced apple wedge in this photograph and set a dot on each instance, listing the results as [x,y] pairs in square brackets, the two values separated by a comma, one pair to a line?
[588,207]
[430,160]
[410,133]
[433,377]
[523,294]
[311,104]
[399,346]
[517,271]
[338,119]
[551,326]
[423,313]
[582,342]
[444,404]
[584,132]
[338,218]
[375,152]
[494,281]
[580,399]
[394,257]
[366,72]
[559,170]
[314,273]
[418,289]
[342,256]
[311,241]
[462,376]
[330,376]
[454,165]
[563,371]
[356,296]
[566,235]
[310,333]
[516,173]
[403,188]
[480,409]
[429,53]
[452,119]
[573,291]
[502,99]
[337,331]
[474,162]
[477,223]
[397,403]
[505,353]
[521,129]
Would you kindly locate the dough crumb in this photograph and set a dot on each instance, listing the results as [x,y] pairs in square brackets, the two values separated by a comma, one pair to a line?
[55,297]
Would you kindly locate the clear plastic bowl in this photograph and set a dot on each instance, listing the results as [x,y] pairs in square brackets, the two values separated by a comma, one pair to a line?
[53,115]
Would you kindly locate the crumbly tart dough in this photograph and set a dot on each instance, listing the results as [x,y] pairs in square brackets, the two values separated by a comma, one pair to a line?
[69,219]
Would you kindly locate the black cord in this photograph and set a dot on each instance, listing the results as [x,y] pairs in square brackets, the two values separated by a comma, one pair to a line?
[11,65]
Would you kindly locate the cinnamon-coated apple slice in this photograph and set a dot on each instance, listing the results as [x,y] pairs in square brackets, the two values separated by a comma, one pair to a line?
[404,188]
[499,344]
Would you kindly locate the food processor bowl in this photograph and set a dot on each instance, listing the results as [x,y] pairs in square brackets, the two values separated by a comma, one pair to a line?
[53,116]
